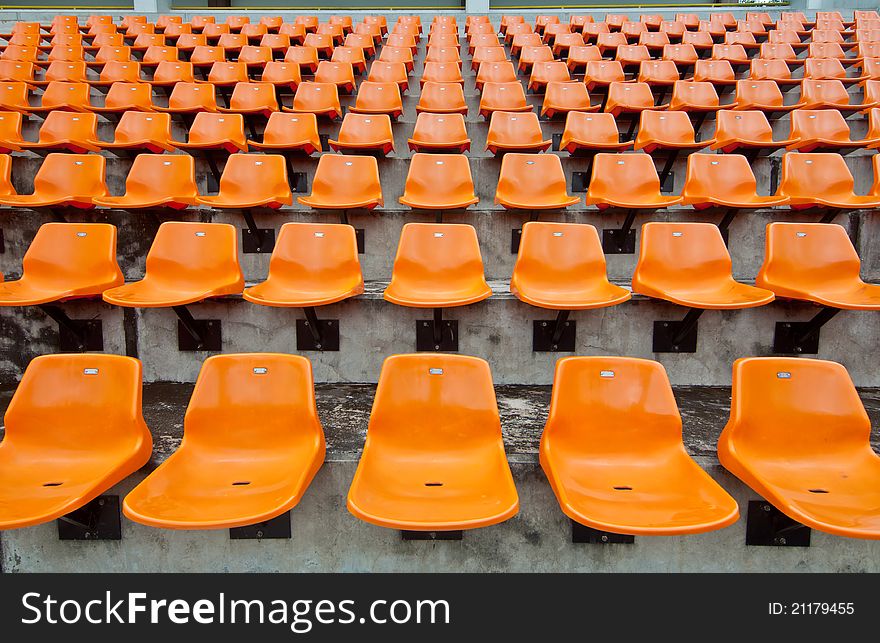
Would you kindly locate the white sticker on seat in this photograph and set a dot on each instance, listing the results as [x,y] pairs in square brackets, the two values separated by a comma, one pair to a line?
[783,375]
[435,371]
[606,374]
[90,371]
[260,370]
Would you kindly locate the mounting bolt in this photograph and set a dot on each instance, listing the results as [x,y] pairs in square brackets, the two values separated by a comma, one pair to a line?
[544,324]
[665,325]
[101,502]
[780,540]
[766,507]
[260,533]
[307,323]
[604,538]
[674,347]
[436,347]
[319,347]
[797,349]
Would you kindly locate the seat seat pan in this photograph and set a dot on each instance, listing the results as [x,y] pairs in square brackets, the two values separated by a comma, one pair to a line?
[850,202]
[305,145]
[850,296]
[438,205]
[725,294]
[290,293]
[190,490]
[77,147]
[752,202]
[320,204]
[654,204]
[671,145]
[435,295]
[386,145]
[221,201]
[153,293]
[153,145]
[37,201]
[538,146]
[23,292]
[125,202]
[569,295]
[572,144]
[522,202]
[851,506]
[477,490]
[230,146]
[668,493]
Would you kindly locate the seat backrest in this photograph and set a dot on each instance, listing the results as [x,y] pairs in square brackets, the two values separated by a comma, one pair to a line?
[634,173]
[659,127]
[162,176]
[255,175]
[556,253]
[824,68]
[191,253]
[280,72]
[61,93]
[745,124]
[824,91]
[193,96]
[228,73]
[434,403]
[500,72]
[14,94]
[815,174]
[819,123]
[503,95]
[330,72]
[253,96]
[125,95]
[68,72]
[375,96]
[788,408]
[284,129]
[72,126]
[115,71]
[77,403]
[253,401]
[208,128]
[686,93]
[534,175]
[67,175]
[203,55]
[346,175]
[139,126]
[515,128]
[160,53]
[323,251]
[594,128]
[16,70]
[723,175]
[759,92]
[713,71]
[436,177]
[439,128]
[442,96]
[608,405]
[676,253]
[312,95]
[10,127]
[173,72]
[447,253]
[657,71]
[73,256]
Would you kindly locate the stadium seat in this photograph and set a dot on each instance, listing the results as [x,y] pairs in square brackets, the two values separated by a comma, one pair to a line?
[382,72]
[278,43]
[690,96]
[353,56]
[440,133]
[700,40]
[441,73]
[442,55]
[188,42]
[169,74]
[290,132]
[516,132]
[799,436]
[487,55]
[658,73]
[115,72]
[365,134]
[305,57]
[612,450]
[232,42]
[632,55]
[64,180]
[14,97]
[74,429]
[828,69]
[252,181]
[141,132]
[339,74]
[717,72]
[681,55]
[379,98]
[564,97]
[253,99]
[503,97]
[281,75]
[560,266]
[187,263]
[609,42]
[313,264]
[65,261]
[215,132]
[397,55]
[10,136]
[821,130]
[252,444]
[602,74]
[626,181]
[65,132]
[296,33]
[779,51]
[322,42]
[820,180]
[533,182]
[670,131]
[157,181]
[156,54]
[321,99]
[591,133]
[361,41]
[191,99]
[547,72]
[15,71]
[448,470]
[828,94]
[688,264]
[228,74]
[579,56]
[531,55]
[71,97]
[762,95]
[442,98]
[630,98]
[724,180]
[402,40]
[66,72]
[503,72]
[439,182]
[776,70]
[345,183]
[127,97]
[255,56]
[748,131]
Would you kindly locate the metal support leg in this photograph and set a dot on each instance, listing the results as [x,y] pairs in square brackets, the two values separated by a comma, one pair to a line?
[189,323]
[802,337]
[79,335]
[212,165]
[554,336]
[829,215]
[687,324]
[698,122]
[724,225]
[751,154]
[252,226]
[438,216]
[666,172]
[249,120]
[632,127]
[559,325]
[438,325]
[677,336]
[314,328]
[623,240]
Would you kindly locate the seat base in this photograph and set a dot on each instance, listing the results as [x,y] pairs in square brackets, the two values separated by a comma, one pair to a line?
[426,338]
[407,535]
[326,339]
[677,336]
[561,329]
[197,334]
[766,526]
[801,338]
[583,534]
[277,528]
[98,520]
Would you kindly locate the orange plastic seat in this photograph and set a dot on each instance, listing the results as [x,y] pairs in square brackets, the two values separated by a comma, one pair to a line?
[442,55]
[72,180]
[344,183]
[527,39]
[60,53]
[189,41]
[353,56]
[442,98]
[689,265]
[65,261]
[65,72]
[626,181]
[382,72]
[632,55]
[321,99]
[339,74]
[252,445]
[23,53]
[531,55]
[290,132]
[779,51]
[227,74]
[603,73]
[763,95]
[823,130]
[609,42]
[667,131]
[124,97]
[489,55]
[815,262]
[397,55]
[253,99]
[191,98]
[255,56]
[503,97]
[440,133]
[819,50]
[516,132]
[169,74]
[215,132]
[71,97]
[682,55]
[156,54]
[503,72]
[724,180]
[157,181]
[304,57]
[313,264]
[591,132]
[717,72]
[612,450]
[546,72]
[363,41]
[690,96]
[16,71]
[379,98]
[65,132]
[207,56]
[630,98]
[232,42]
[579,56]
[658,73]
[799,436]
[74,429]
[322,42]
[433,457]
[252,181]
[401,40]
[441,73]
[746,130]
[14,97]
[141,132]
[533,182]
[10,139]
[564,97]
[365,133]
[280,74]
[439,182]
[828,94]
[276,42]
[561,266]
[776,70]
[116,72]
[437,265]
[828,69]
[187,263]
[820,180]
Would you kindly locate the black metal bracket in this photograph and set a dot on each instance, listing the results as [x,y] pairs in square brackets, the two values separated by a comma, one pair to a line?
[698,121]
[430,535]
[677,336]
[359,233]
[313,334]
[325,141]
[557,140]
[801,337]
[256,240]
[2,242]
[621,241]
[98,520]
[276,528]
[76,335]
[633,123]
[768,527]
[197,334]
[828,215]
[516,234]
[724,224]
[667,177]
[554,336]
[438,334]
[583,534]
[211,159]
[580,181]
[775,166]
